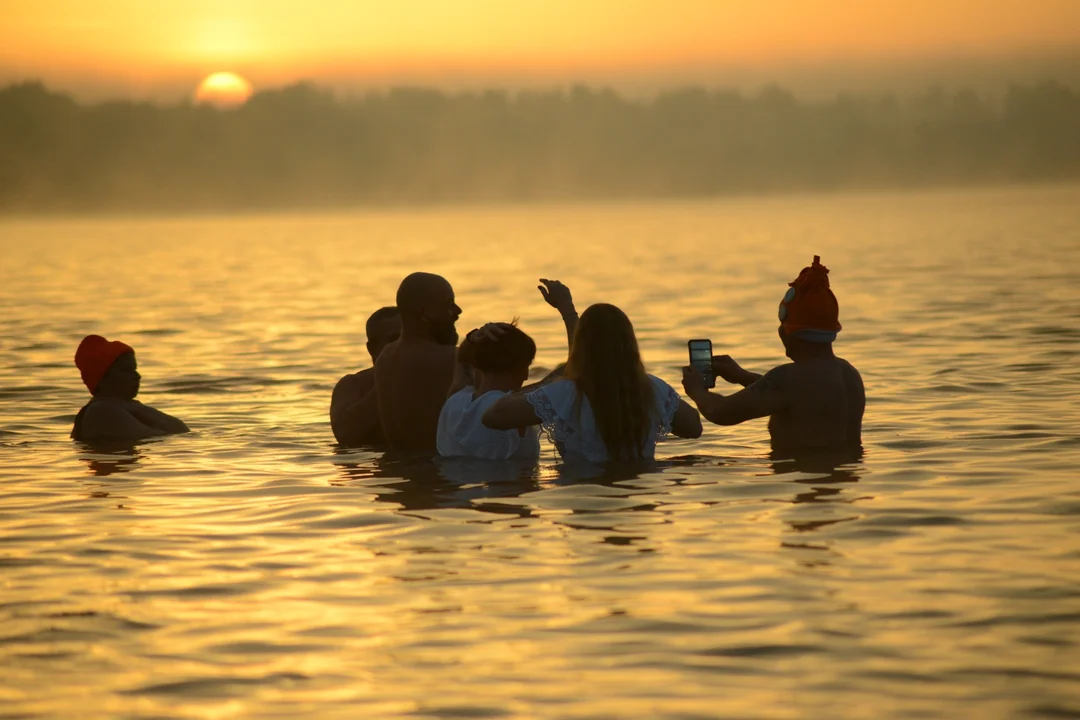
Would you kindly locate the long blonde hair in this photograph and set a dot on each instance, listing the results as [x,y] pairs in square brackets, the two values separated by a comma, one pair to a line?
[605,364]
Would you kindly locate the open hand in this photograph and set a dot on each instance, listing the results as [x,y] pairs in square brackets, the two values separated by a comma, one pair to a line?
[557,296]
[724,367]
[693,382]
[488,333]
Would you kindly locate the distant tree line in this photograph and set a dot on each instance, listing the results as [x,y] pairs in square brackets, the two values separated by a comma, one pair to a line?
[302,146]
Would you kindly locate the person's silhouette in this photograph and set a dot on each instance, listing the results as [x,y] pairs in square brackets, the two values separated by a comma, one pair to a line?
[111,374]
[354,405]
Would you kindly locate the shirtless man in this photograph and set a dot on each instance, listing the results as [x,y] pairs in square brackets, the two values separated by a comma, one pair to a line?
[111,374]
[354,406]
[413,375]
[816,401]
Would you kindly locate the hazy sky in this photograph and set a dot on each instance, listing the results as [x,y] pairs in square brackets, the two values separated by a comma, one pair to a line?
[153,47]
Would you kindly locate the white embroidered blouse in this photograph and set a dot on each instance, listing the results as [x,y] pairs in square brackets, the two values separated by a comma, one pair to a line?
[462,434]
[575,434]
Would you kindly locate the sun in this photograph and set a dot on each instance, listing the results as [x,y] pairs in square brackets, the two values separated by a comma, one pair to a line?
[223,90]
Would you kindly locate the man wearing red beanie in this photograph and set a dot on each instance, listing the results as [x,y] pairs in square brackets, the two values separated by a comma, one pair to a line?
[111,375]
[816,401]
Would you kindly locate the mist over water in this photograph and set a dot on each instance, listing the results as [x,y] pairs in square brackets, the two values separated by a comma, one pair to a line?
[250,570]
[303,147]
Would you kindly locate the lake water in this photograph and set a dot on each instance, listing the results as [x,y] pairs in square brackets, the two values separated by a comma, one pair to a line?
[252,570]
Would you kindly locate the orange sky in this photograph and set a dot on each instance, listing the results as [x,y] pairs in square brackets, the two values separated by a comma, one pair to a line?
[273,41]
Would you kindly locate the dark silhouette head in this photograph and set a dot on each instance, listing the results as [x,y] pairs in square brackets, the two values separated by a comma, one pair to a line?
[504,361]
[122,379]
[383,328]
[427,307]
[606,366]
[108,368]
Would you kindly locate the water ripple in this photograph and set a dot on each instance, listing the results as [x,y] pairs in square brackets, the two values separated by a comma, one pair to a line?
[253,569]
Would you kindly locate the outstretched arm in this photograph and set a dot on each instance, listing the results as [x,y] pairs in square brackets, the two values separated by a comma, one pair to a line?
[723,366]
[556,374]
[510,412]
[758,400]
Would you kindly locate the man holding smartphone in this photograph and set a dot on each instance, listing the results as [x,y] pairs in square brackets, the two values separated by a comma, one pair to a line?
[816,401]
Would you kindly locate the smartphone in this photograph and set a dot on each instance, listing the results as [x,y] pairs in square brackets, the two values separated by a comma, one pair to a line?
[701,358]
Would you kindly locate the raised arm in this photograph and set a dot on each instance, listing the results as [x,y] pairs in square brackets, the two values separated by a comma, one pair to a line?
[760,399]
[558,296]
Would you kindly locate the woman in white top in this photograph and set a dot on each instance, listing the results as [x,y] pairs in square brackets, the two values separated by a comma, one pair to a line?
[493,362]
[606,408]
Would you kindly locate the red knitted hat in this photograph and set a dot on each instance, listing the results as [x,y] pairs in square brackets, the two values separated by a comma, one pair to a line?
[95,356]
[809,310]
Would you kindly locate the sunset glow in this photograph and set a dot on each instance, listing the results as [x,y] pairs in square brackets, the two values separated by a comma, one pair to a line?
[278,41]
[223,89]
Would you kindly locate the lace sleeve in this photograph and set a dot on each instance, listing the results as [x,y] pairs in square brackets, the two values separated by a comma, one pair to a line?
[541,404]
[669,403]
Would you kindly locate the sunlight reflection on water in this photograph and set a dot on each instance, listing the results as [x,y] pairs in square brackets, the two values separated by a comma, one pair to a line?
[251,569]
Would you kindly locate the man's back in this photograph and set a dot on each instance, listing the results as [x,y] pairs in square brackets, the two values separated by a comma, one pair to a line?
[821,406]
[412,377]
[354,411]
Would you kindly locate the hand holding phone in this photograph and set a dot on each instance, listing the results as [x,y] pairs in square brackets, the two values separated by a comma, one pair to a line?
[701,359]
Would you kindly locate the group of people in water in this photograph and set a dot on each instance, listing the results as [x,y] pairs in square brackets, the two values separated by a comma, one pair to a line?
[429,394]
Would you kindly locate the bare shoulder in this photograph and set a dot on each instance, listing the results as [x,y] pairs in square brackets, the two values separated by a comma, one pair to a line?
[358,382]
[777,378]
[848,370]
[848,367]
[387,359]
[350,389]
[852,377]
[113,419]
[102,411]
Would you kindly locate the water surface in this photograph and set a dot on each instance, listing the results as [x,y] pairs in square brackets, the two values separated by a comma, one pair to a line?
[251,569]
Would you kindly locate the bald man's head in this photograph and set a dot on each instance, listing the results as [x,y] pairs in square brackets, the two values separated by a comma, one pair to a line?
[419,289]
[426,303]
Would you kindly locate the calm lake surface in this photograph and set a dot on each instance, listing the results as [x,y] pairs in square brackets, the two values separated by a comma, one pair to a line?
[251,569]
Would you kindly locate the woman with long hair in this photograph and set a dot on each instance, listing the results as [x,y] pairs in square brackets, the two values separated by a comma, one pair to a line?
[607,408]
